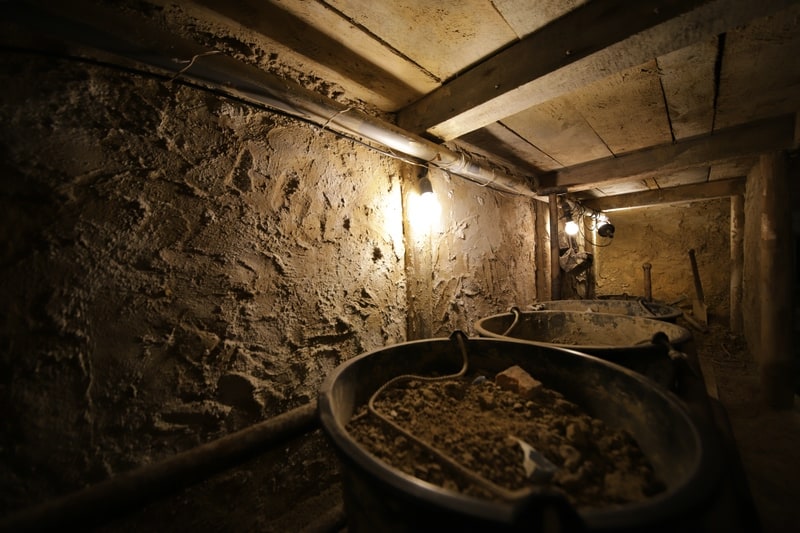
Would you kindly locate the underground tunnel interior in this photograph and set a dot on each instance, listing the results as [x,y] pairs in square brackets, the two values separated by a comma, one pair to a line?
[183,261]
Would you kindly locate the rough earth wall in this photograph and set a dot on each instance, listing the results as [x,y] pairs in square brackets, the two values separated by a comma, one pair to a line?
[478,260]
[662,236]
[177,265]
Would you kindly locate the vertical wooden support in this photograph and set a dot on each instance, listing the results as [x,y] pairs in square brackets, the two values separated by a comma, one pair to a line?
[775,284]
[555,267]
[589,246]
[542,251]
[737,262]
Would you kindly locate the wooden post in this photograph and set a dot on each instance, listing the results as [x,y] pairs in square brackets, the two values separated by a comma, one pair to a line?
[737,262]
[775,284]
[542,258]
[555,267]
[591,274]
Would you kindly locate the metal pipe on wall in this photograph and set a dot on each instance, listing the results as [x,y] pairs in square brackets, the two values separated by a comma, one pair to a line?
[132,490]
[106,31]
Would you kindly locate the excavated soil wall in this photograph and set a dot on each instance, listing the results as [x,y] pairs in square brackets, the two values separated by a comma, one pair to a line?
[177,265]
[662,236]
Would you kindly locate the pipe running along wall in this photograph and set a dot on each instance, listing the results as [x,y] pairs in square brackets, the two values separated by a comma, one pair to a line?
[125,38]
[128,491]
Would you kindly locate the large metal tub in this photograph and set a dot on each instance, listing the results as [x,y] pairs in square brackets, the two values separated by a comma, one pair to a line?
[625,340]
[378,497]
[628,307]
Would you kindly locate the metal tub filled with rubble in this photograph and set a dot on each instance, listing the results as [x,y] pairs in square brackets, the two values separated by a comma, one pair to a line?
[478,434]
[648,346]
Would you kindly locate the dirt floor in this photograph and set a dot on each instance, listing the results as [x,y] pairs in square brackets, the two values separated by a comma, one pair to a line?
[767,440]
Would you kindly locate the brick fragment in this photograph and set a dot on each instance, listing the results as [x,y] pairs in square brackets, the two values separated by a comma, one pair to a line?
[516,379]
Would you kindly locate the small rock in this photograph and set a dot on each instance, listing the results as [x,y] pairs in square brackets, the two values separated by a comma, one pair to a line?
[430,395]
[516,379]
[486,402]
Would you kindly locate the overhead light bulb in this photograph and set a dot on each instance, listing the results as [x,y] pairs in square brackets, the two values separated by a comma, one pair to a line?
[571,228]
[424,209]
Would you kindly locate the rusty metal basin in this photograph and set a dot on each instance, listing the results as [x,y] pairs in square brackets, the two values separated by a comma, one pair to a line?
[379,497]
[625,340]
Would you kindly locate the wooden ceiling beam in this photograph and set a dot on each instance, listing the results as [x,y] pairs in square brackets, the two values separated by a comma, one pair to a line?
[672,195]
[587,44]
[731,143]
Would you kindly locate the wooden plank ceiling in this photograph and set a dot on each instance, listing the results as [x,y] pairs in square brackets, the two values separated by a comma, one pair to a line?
[595,98]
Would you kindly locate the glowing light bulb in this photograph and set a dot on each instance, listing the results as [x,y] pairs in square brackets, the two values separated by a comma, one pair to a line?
[424,211]
[571,228]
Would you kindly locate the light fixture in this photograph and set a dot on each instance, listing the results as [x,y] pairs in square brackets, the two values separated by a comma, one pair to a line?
[424,186]
[424,209]
[571,228]
[604,226]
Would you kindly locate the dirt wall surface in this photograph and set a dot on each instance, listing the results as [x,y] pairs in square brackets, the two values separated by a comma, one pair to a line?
[662,236]
[483,255]
[177,266]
